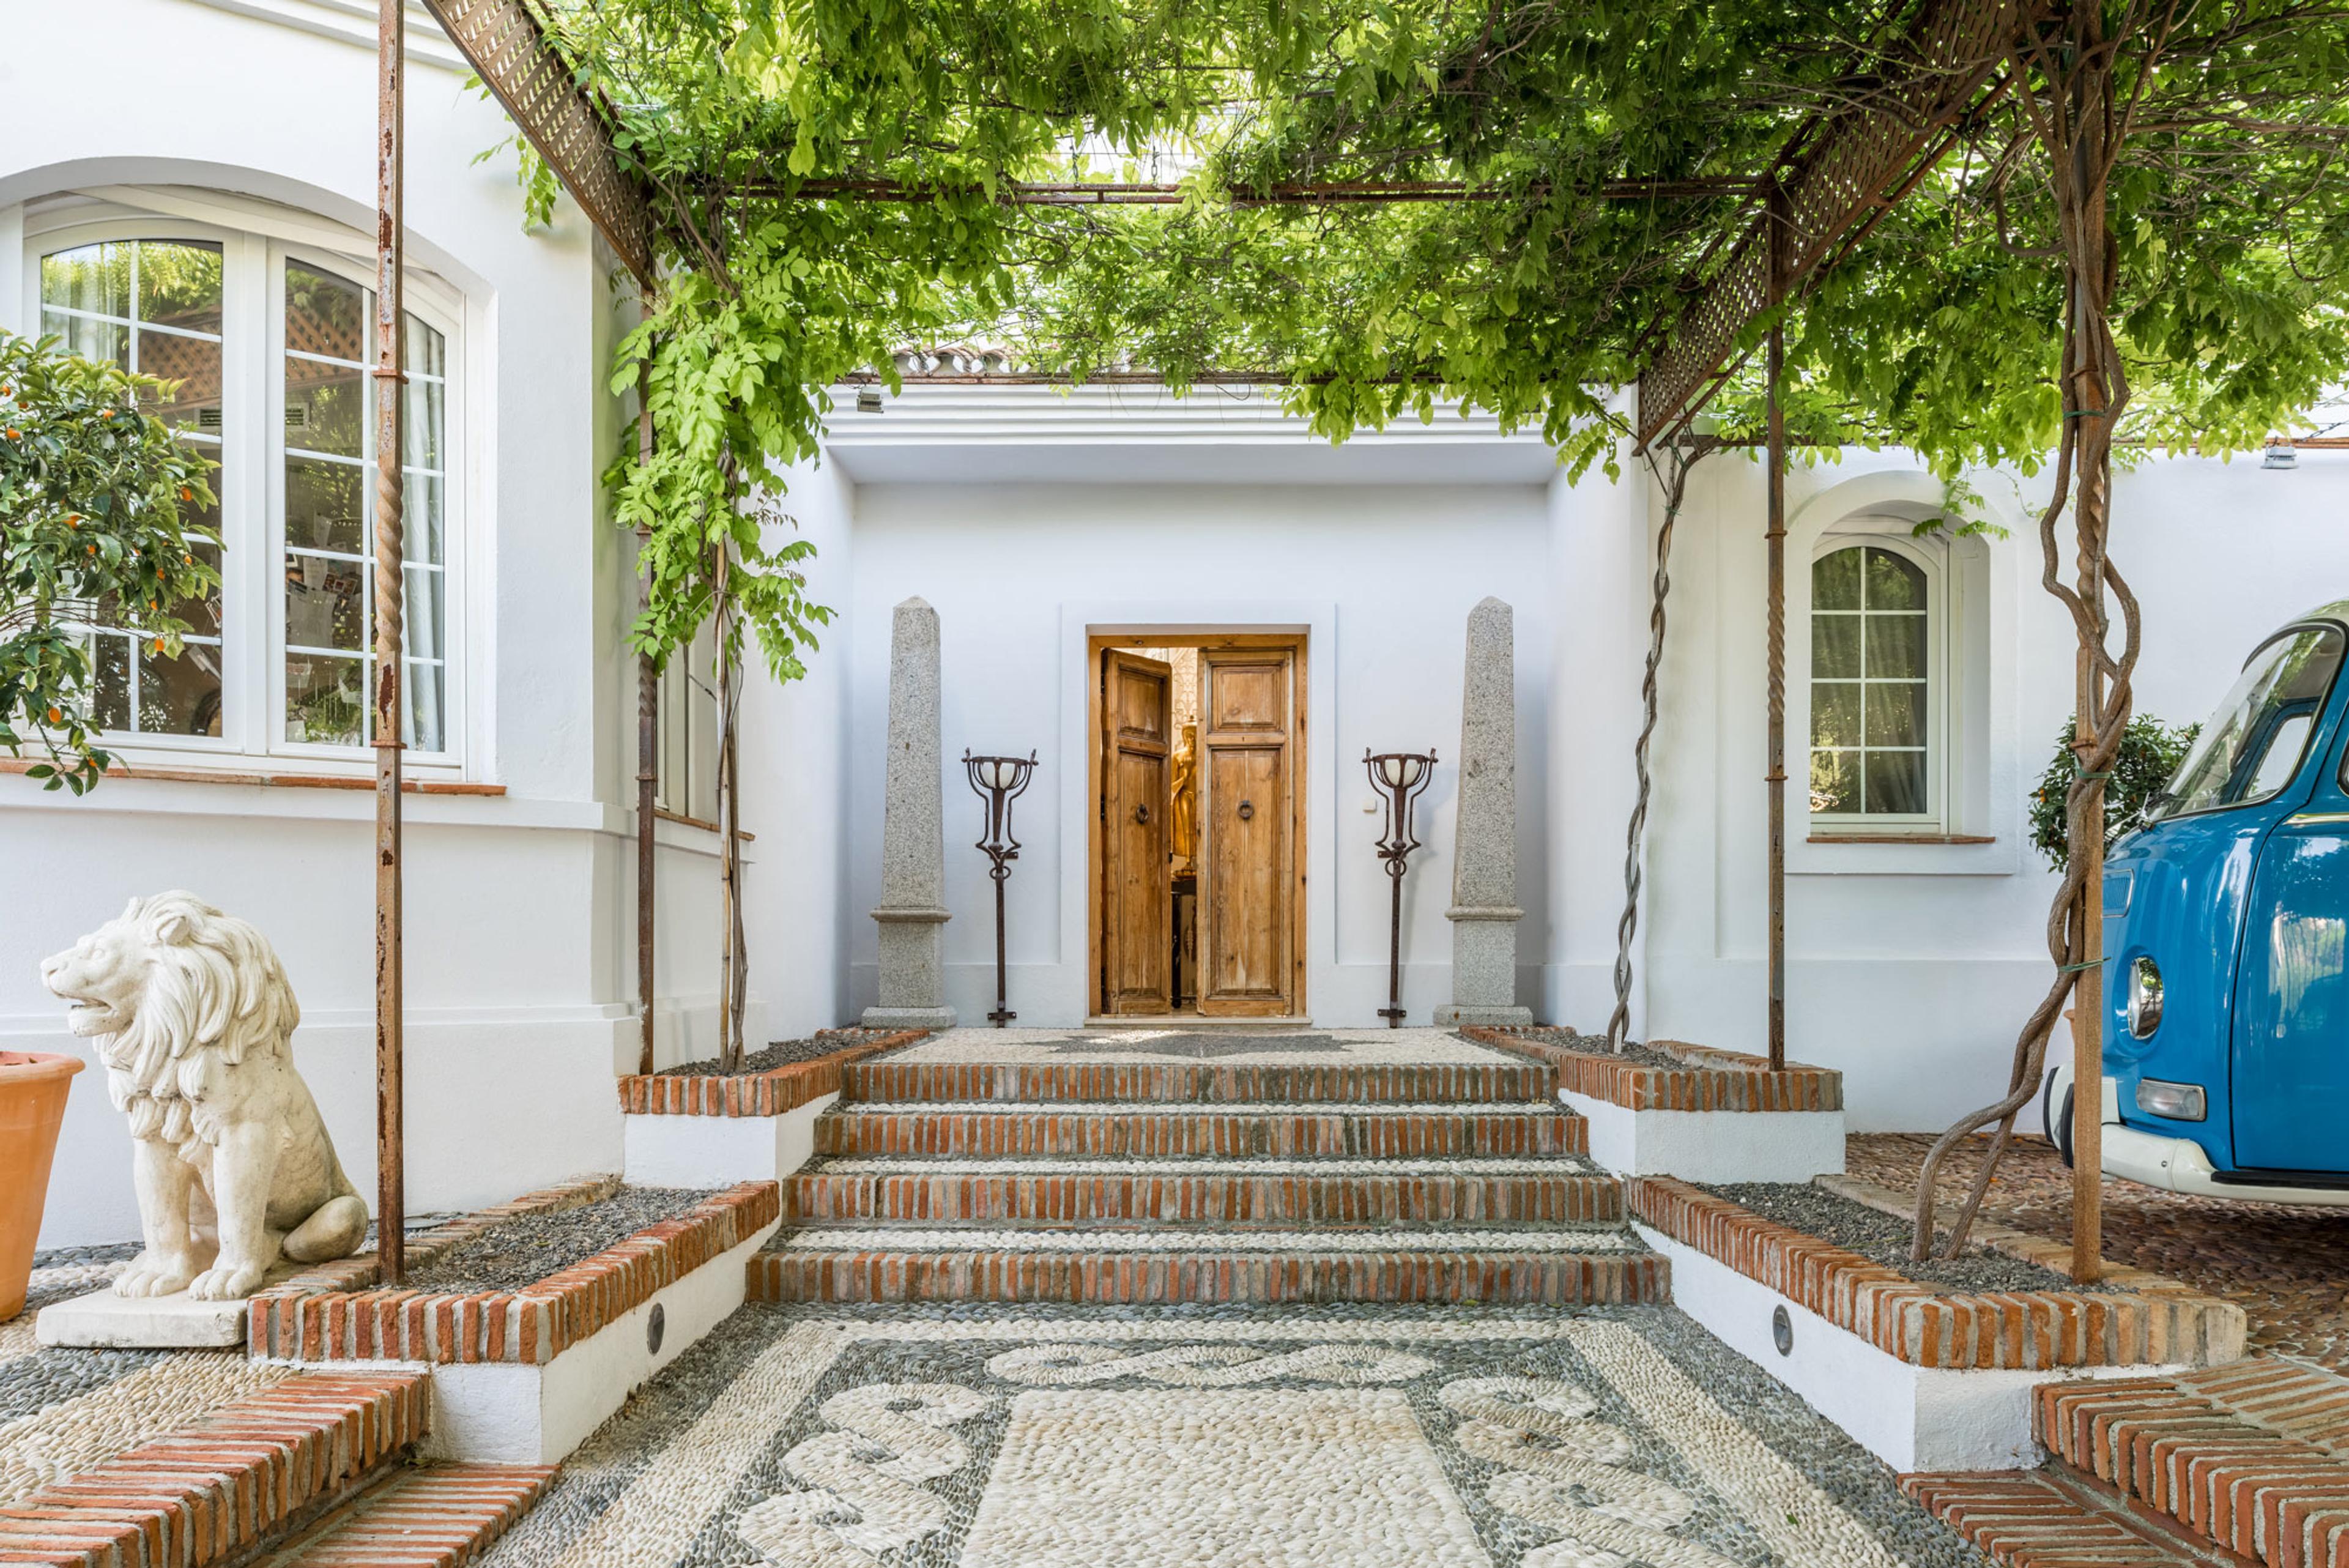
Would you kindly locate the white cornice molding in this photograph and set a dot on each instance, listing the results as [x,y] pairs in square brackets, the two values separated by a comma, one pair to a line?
[935,433]
[351,22]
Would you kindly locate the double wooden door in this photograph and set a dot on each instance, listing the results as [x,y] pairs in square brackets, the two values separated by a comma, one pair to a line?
[1250,736]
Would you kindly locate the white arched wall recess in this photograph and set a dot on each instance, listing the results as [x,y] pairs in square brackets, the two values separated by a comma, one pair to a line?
[1975,660]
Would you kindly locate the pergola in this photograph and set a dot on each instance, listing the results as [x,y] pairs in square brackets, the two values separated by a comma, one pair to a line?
[1789,224]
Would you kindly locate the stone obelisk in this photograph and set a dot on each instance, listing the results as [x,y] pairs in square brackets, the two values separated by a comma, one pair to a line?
[913,834]
[1484,912]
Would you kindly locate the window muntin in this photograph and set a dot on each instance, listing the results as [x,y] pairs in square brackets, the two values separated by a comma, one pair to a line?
[153,306]
[328,449]
[104,295]
[2253,743]
[1871,686]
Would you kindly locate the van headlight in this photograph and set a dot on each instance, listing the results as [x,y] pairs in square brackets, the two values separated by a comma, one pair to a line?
[2145,998]
[2177,1101]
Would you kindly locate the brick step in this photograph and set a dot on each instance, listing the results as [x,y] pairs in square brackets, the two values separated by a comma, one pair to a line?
[220,1488]
[1547,1266]
[1198,1082]
[1227,1192]
[1234,1130]
[2050,1519]
[2251,1457]
[439,1516]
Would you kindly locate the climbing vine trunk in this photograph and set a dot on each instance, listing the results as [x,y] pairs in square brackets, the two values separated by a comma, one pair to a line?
[2077,125]
[1673,476]
[730,977]
[648,759]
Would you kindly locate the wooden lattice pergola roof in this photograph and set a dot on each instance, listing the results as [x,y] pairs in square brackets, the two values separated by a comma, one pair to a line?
[1834,178]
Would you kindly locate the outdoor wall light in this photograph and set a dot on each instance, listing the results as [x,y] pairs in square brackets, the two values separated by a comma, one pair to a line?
[1399,777]
[999,781]
[868,400]
[2280,454]
[2177,1101]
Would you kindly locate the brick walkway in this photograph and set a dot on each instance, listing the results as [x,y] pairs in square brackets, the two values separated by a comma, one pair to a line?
[2287,1267]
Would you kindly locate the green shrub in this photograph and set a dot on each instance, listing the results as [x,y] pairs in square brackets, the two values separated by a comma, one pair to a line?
[2150,754]
[91,492]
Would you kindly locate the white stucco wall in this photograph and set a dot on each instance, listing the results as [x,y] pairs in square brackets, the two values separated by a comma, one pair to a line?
[1911,967]
[521,955]
[1001,510]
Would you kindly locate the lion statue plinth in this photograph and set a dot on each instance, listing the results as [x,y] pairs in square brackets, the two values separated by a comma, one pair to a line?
[189,1011]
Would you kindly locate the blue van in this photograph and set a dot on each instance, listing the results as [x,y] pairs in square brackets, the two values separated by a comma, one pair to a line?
[2226,1031]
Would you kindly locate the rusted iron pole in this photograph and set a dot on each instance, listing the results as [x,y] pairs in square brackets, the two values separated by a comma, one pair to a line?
[648,757]
[389,375]
[1776,535]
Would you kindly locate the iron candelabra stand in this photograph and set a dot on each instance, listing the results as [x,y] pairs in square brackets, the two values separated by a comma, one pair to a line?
[999,781]
[1399,777]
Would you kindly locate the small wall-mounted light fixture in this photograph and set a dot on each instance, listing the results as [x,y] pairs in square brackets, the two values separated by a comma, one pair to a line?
[2280,454]
[868,400]
[1782,1330]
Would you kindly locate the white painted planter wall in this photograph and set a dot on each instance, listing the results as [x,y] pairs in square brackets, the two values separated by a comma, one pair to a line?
[1712,1146]
[1911,1418]
[719,1151]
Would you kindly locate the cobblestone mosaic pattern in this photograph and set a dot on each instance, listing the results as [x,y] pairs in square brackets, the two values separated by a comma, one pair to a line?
[1332,1047]
[64,1411]
[1179,1438]
[2284,1265]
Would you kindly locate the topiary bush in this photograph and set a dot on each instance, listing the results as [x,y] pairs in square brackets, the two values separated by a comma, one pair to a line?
[91,527]
[2151,753]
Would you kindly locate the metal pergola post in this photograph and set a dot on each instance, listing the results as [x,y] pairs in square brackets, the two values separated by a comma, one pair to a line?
[1780,240]
[389,376]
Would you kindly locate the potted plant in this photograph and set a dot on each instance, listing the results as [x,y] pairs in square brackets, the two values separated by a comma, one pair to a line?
[2151,753]
[33,1085]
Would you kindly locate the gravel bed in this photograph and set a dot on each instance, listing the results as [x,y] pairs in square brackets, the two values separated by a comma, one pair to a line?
[1881,1238]
[1634,1053]
[781,1054]
[527,1248]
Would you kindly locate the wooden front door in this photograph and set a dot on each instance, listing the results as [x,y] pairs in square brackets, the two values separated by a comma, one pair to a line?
[1137,898]
[1248,849]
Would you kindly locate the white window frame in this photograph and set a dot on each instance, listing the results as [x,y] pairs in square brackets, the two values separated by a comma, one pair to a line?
[1930,556]
[254,251]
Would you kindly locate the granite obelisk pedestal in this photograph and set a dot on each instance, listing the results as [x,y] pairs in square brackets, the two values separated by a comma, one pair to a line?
[1484,912]
[913,834]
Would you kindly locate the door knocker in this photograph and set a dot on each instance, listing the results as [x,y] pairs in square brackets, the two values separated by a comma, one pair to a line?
[1142,813]
[1246,811]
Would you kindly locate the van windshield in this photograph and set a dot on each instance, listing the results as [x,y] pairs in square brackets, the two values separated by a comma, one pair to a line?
[2253,743]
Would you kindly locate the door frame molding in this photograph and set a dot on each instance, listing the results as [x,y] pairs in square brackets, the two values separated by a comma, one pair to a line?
[1097,644]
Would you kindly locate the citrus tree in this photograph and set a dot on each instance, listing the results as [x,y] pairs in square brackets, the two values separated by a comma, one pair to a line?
[95,497]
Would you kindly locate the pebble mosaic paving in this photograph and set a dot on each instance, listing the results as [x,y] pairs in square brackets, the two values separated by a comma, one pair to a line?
[2283,1264]
[65,1411]
[1223,1437]
[1333,1047]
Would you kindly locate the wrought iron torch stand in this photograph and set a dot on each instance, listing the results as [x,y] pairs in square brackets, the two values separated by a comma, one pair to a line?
[1399,777]
[999,781]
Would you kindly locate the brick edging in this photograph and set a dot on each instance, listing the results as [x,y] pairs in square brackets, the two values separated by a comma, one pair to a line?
[2215,1452]
[211,1491]
[768,1093]
[306,1320]
[2009,1330]
[1711,1080]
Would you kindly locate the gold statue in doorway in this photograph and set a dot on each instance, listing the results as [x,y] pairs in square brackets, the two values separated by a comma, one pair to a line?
[1183,833]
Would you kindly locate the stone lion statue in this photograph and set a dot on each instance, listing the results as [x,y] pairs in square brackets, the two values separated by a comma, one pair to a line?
[190,1012]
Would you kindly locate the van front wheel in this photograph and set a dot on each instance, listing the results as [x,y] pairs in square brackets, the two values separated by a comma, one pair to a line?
[2058,1120]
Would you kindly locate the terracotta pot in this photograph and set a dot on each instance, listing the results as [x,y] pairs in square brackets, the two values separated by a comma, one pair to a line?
[33,1086]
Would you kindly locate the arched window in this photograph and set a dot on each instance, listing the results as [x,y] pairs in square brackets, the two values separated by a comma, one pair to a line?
[1874,710]
[266,348]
